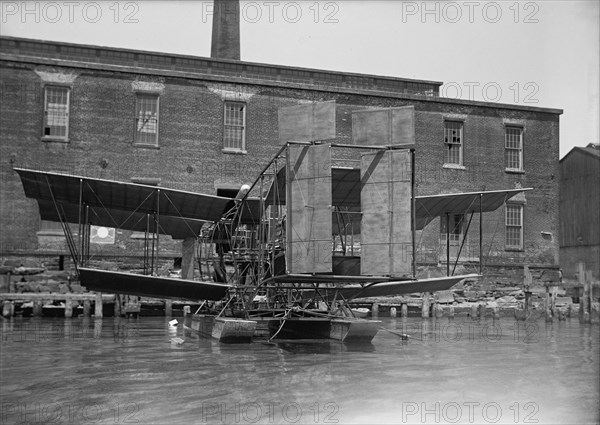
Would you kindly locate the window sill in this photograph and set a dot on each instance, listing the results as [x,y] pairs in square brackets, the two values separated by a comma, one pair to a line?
[234,151]
[514,171]
[145,146]
[55,139]
[514,249]
[454,166]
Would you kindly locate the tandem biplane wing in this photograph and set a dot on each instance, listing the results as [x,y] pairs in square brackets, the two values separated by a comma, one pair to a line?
[181,214]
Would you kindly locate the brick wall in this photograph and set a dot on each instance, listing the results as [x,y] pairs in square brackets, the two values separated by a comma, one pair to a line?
[191,129]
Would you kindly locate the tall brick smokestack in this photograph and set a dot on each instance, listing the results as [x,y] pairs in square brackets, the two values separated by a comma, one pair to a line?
[226,30]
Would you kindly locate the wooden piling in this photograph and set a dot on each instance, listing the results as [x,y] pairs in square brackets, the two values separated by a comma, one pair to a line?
[404,310]
[393,312]
[6,309]
[98,306]
[168,308]
[451,312]
[187,310]
[481,310]
[548,305]
[584,299]
[87,307]
[553,295]
[118,306]
[474,310]
[68,308]
[496,312]
[425,306]
[37,308]
[375,310]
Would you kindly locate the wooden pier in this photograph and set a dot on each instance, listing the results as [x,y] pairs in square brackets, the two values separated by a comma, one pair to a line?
[86,304]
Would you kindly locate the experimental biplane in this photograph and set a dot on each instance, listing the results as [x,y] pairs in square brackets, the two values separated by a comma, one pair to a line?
[323,224]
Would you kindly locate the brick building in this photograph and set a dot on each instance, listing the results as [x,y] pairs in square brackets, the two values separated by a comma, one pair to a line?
[209,124]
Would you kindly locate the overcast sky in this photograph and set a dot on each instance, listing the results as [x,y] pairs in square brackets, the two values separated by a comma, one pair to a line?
[537,53]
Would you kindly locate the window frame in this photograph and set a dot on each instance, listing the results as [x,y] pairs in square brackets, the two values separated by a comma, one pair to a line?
[507,226]
[51,137]
[457,222]
[136,132]
[519,149]
[447,144]
[230,149]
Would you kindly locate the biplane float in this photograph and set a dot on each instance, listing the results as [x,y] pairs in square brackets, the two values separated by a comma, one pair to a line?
[323,224]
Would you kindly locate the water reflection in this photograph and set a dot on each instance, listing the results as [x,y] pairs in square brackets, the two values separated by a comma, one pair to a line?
[454,371]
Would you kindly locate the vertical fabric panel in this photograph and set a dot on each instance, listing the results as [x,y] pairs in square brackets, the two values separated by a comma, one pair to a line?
[307,123]
[386,247]
[383,127]
[309,225]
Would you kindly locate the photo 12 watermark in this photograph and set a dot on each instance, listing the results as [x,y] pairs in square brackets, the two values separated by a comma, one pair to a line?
[290,12]
[61,12]
[491,91]
[270,412]
[472,412]
[453,12]
[70,413]
[45,332]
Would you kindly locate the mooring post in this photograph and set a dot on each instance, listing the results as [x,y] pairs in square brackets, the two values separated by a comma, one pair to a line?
[6,309]
[438,311]
[168,308]
[425,306]
[37,308]
[393,312]
[68,307]
[187,310]
[375,310]
[87,307]
[117,306]
[98,306]
[474,311]
[593,307]
[584,299]
[548,305]
[481,310]
[404,310]
[451,312]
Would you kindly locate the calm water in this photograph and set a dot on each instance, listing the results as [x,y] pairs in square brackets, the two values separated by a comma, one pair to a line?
[110,371]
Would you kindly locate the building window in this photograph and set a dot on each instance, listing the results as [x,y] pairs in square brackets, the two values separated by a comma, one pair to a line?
[514,226]
[146,119]
[456,228]
[56,113]
[235,127]
[453,139]
[513,153]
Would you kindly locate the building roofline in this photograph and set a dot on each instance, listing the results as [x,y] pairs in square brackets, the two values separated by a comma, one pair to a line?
[581,149]
[228,78]
[231,61]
